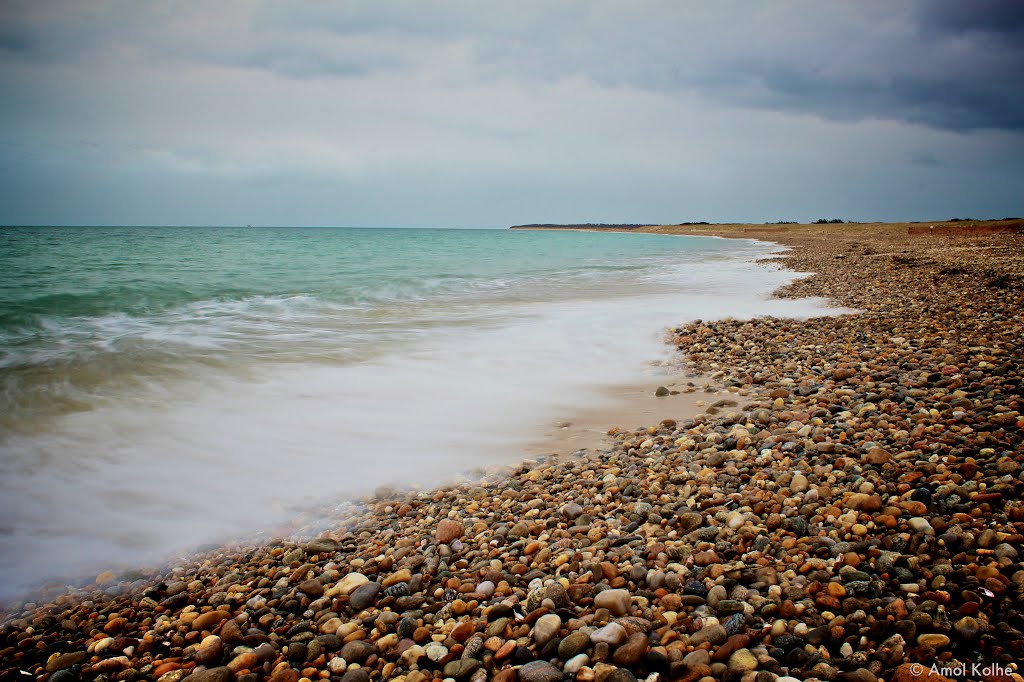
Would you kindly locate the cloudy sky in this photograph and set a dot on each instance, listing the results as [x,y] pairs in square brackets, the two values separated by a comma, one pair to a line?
[474,114]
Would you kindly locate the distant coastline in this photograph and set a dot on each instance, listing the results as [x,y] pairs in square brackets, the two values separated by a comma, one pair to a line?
[960,227]
[580,226]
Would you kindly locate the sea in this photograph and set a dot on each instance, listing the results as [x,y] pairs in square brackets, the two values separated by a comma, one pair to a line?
[166,387]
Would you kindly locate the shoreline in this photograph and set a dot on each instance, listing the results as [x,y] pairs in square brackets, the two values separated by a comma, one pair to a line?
[502,404]
[669,522]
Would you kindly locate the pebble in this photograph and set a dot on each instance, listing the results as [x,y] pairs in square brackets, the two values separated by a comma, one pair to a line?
[612,634]
[539,671]
[364,596]
[574,644]
[222,674]
[713,634]
[634,648]
[449,530]
[742,660]
[353,675]
[575,663]
[616,601]
[921,525]
[934,640]
[463,667]
[546,628]
[849,502]
[348,584]
[62,661]
[572,511]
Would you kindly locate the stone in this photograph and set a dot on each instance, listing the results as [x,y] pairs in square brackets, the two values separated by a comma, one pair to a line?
[742,660]
[449,530]
[714,634]
[435,651]
[698,657]
[68,676]
[858,675]
[1005,551]
[312,587]
[634,649]
[539,671]
[172,676]
[285,674]
[545,629]
[573,645]
[348,584]
[246,660]
[573,664]
[460,668]
[712,596]
[210,650]
[688,521]
[401,576]
[864,502]
[209,620]
[616,601]
[356,675]
[323,546]
[297,652]
[967,627]
[572,511]
[231,632]
[729,606]
[921,526]
[612,634]
[934,640]
[364,596]
[222,674]
[61,661]
[357,651]
[619,675]
[876,456]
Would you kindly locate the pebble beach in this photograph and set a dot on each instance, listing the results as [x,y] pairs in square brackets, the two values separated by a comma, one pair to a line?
[850,510]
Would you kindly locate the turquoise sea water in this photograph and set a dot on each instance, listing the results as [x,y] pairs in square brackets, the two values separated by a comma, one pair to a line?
[161,387]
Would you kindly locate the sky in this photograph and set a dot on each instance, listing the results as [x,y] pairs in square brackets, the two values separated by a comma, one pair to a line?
[487,114]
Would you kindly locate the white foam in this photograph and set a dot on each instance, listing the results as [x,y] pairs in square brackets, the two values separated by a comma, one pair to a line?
[177,463]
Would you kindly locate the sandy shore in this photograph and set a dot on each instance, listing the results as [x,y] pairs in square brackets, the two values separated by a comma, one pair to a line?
[855,515]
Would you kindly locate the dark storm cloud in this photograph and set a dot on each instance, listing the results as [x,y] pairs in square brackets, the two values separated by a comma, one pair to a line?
[948,65]
[944,63]
[525,111]
[936,99]
[977,84]
[997,17]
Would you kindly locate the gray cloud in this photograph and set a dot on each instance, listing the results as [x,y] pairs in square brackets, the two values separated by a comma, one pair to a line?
[993,17]
[945,64]
[400,112]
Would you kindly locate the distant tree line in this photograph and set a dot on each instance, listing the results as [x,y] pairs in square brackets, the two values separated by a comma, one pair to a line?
[826,221]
